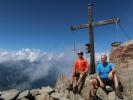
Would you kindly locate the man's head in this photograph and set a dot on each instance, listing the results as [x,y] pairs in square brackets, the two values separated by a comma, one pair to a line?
[80,54]
[103,58]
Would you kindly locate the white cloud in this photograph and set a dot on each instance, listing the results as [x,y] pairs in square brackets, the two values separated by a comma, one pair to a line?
[33,55]
[61,61]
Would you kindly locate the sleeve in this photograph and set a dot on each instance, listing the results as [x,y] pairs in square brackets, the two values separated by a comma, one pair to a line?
[98,69]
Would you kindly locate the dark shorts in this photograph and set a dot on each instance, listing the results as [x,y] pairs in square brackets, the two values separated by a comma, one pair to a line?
[77,75]
[107,81]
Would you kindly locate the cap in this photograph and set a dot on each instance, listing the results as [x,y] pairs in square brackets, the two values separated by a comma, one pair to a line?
[80,52]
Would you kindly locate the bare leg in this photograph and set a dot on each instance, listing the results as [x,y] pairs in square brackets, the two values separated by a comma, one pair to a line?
[115,81]
[72,79]
[80,79]
[117,87]
[92,85]
[71,83]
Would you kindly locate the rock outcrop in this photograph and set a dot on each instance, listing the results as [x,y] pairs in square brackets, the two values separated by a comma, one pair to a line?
[122,57]
[58,93]
[44,93]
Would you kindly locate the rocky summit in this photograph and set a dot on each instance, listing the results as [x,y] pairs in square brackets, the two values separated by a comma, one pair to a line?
[121,56]
[58,93]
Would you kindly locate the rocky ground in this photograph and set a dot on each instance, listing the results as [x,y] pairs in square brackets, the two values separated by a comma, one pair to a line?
[58,93]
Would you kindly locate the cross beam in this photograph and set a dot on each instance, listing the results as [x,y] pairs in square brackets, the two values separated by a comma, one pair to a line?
[94,24]
[90,26]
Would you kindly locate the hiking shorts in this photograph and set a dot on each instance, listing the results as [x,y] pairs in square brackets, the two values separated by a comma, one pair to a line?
[107,81]
[77,75]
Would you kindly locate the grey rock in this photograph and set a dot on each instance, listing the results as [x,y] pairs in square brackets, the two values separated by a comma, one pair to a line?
[85,90]
[24,99]
[23,94]
[43,96]
[46,90]
[9,94]
[64,98]
[34,92]
[72,96]
[111,95]
[51,98]
[56,95]
[101,94]
[62,83]
[0,92]
[65,93]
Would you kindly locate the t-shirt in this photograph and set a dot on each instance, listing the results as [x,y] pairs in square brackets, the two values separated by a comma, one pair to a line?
[81,65]
[104,70]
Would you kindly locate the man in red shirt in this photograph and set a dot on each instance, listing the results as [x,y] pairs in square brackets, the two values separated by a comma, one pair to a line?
[80,71]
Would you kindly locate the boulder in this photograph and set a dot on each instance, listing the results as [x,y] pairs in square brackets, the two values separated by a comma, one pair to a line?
[111,95]
[34,92]
[101,94]
[23,94]
[73,96]
[47,90]
[63,83]
[56,95]
[122,57]
[9,94]
[43,96]
[64,98]
[24,99]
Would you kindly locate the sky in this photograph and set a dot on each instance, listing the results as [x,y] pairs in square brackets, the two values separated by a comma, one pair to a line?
[45,24]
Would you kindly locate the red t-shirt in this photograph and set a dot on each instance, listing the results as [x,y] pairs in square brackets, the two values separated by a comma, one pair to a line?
[81,65]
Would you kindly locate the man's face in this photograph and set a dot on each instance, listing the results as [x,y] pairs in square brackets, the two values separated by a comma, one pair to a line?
[80,55]
[103,59]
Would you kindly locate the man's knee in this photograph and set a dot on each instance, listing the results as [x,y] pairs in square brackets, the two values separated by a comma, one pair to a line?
[93,82]
[72,77]
[82,75]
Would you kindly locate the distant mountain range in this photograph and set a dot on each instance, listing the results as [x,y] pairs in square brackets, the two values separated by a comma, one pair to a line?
[13,74]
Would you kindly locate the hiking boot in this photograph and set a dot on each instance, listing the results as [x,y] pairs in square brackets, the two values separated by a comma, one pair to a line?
[109,88]
[70,88]
[75,90]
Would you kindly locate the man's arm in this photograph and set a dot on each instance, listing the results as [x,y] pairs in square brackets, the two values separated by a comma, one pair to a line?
[98,76]
[100,81]
[113,70]
[111,74]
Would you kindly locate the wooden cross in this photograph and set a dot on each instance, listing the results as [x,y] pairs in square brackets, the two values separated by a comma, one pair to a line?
[90,26]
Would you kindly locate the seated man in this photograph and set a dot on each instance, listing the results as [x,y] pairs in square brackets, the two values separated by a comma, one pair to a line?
[105,75]
[80,71]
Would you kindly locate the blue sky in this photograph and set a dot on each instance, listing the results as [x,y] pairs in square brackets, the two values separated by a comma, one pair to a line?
[45,24]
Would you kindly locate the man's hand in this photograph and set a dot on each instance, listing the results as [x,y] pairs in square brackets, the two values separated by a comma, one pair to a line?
[110,76]
[102,84]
